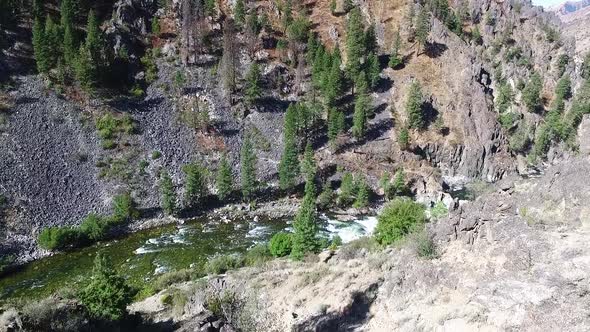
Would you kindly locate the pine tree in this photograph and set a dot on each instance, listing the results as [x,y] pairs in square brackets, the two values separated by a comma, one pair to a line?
[53,41]
[373,70]
[361,107]
[395,57]
[287,15]
[253,89]
[422,27]
[67,10]
[107,295]
[476,34]
[85,69]
[42,57]
[362,196]
[69,46]
[335,82]
[229,59]
[370,40]
[196,184]
[289,165]
[38,9]
[93,38]
[399,184]
[308,166]
[248,169]
[312,45]
[563,90]
[239,12]
[305,225]
[531,94]
[168,193]
[224,179]
[414,106]
[252,23]
[355,42]
[347,190]
[404,138]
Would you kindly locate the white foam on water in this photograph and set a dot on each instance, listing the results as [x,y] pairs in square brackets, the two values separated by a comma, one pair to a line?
[144,250]
[257,231]
[351,230]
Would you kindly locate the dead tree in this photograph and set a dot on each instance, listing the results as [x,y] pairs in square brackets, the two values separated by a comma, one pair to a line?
[230,59]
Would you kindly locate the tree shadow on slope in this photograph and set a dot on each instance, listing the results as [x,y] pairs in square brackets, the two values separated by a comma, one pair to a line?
[350,319]
[374,131]
[435,50]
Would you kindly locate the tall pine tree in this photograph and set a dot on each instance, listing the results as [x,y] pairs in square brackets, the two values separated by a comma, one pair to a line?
[224,181]
[305,225]
[248,169]
[414,106]
[40,47]
[196,184]
[395,57]
[422,28]
[355,42]
[253,89]
[289,165]
[168,193]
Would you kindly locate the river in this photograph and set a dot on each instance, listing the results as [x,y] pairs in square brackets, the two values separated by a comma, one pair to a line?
[143,255]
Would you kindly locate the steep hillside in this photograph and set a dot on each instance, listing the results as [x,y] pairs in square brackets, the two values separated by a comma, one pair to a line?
[461,74]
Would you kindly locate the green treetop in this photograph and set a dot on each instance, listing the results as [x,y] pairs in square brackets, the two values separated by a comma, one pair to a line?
[531,94]
[305,225]
[422,27]
[395,57]
[239,12]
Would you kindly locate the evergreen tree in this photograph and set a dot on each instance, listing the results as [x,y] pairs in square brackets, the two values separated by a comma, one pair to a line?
[422,27]
[229,60]
[85,69]
[67,10]
[563,90]
[335,82]
[305,225]
[505,97]
[252,23]
[287,15]
[93,38]
[373,70]
[476,34]
[355,43]
[399,184]
[107,295]
[335,123]
[414,106]
[404,138]
[359,118]
[312,45]
[289,165]
[168,193]
[53,41]
[38,9]
[40,47]
[531,94]
[347,190]
[248,169]
[224,179]
[253,89]
[395,57]
[308,166]
[370,40]
[196,184]
[69,45]
[239,12]
[362,196]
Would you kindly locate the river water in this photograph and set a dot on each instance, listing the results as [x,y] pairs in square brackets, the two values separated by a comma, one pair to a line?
[144,255]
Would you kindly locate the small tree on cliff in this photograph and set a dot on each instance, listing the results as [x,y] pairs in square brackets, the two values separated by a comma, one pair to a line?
[414,106]
[289,165]
[224,179]
[168,193]
[248,169]
[305,225]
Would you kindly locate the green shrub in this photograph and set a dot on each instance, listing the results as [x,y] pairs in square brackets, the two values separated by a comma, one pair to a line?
[397,219]
[137,91]
[94,227]
[258,254]
[53,238]
[520,140]
[439,210]
[223,263]
[336,242]
[106,126]
[326,197]
[108,144]
[174,277]
[507,119]
[156,155]
[423,244]
[354,248]
[281,244]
